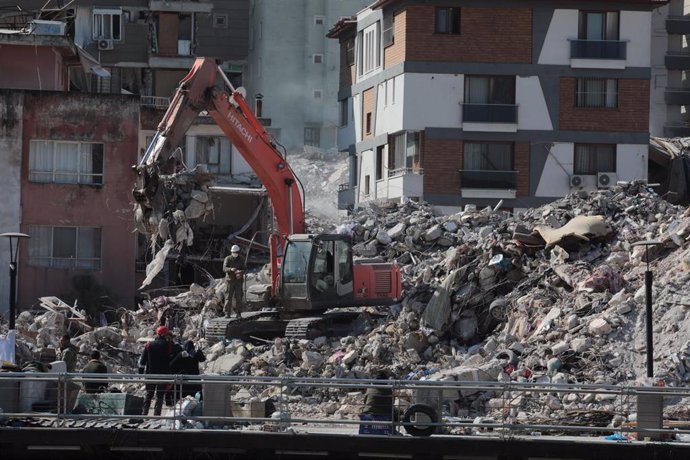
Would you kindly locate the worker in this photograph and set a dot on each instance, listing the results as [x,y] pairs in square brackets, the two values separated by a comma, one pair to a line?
[233,267]
[156,360]
[68,353]
[377,400]
[95,366]
[187,363]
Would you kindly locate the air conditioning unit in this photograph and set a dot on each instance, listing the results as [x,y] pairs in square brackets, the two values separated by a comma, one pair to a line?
[104,45]
[606,180]
[576,181]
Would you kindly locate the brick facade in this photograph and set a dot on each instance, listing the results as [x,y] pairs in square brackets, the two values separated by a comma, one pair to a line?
[368,112]
[347,72]
[486,35]
[632,113]
[395,53]
[521,165]
[442,161]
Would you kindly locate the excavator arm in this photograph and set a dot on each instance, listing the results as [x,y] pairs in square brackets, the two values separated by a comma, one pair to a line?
[197,92]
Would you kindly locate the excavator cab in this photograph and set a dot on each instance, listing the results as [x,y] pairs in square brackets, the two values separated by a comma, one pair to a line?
[317,272]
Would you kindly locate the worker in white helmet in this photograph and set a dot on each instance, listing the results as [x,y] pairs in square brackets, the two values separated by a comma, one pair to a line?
[233,267]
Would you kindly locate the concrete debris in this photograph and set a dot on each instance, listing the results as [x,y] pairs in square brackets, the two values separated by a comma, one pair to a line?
[554,295]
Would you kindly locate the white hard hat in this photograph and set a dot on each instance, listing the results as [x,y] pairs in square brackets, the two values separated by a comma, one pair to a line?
[235,248]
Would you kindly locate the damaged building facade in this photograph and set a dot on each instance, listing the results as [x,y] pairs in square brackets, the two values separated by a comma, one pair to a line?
[472,104]
[86,85]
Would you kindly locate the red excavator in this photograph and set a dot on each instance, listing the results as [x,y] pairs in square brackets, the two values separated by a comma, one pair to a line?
[310,273]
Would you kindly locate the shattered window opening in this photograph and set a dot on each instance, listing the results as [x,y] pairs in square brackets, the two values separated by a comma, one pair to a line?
[65,247]
[66,162]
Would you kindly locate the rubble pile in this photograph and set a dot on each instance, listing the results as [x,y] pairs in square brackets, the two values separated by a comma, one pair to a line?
[553,295]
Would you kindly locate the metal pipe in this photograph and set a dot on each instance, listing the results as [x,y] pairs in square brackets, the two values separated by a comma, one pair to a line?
[648,280]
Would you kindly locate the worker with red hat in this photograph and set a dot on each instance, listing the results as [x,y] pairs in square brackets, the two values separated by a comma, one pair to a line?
[156,360]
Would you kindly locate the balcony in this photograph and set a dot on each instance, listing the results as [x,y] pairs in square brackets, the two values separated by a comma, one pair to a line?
[346,196]
[489,113]
[598,49]
[677,96]
[678,129]
[677,61]
[678,25]
[183,6]
[156,102]
[488,184]
[405,182]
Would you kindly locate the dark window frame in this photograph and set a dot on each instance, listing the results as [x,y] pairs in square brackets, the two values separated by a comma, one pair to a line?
[450,25]
[492,97]
[581,93]
[596,166]
[488,144]
[582,23]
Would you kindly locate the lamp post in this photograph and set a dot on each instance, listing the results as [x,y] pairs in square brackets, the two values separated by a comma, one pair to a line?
[14,252]
[648,280]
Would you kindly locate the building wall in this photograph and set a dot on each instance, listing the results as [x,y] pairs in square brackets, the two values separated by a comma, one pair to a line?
[632,113]
[11,113]
[114,121]
[39,67]
[395,54]
[483,36]
[284,39]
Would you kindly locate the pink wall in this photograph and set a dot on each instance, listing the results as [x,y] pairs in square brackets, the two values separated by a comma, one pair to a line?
[114,121]
[28,67]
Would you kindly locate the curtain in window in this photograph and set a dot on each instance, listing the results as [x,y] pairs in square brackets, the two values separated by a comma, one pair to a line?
[584,160]
[202,148]
[488,157]
[477,90]
[612,25]
[66,162]
[41,161]
[398,151]
[592,159]
[86,164]
[412,151]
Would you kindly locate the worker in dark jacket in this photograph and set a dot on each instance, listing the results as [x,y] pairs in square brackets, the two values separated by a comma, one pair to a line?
[379,401]
[233,267]
[95,366]
[187,363]
[156,360]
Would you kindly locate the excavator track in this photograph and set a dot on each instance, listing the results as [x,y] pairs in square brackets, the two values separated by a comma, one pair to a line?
[251,325]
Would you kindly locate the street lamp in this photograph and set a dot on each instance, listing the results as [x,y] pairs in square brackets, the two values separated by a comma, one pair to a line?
[648,295]
[14,252]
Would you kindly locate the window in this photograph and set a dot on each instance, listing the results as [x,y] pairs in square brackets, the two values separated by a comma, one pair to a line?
[447,21]
[317,94]
[220,21]
[355,167]
[488,156]
[598,25]
[369,58]
[344,111]
[65,247]
[107,24]
[388,30]
[367,187]
[317,58]
[208,150]
[312,136]
[368,123]
[258,107]
[389,97]
[350,51]
[597,92]
[403,152]
[65,162]
[379,162]
[319,20]
[591,159]
[490,90]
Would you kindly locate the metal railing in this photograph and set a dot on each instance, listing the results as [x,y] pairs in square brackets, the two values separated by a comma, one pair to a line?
[598,49]
[484,179]
[489,113]
[155,101]
[403,171]
[426,407]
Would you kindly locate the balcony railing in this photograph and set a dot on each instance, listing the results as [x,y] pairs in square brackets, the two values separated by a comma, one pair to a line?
[155,101]
[489,113]
[677,96]
[677,60]
[678,25]
[402,171]
[500,180]
[598,49]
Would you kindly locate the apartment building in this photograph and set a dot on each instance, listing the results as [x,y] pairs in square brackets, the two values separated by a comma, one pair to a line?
[477,103]
[670,63]
[292,75]
[83,87]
